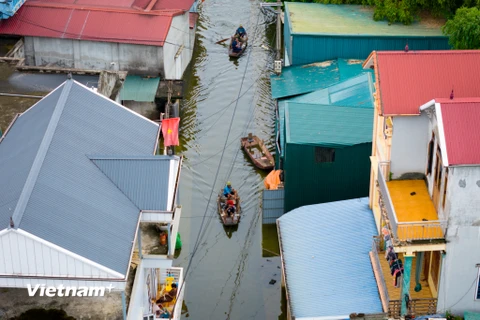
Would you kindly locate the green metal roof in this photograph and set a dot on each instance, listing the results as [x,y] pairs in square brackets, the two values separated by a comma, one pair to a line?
[310,77]
[327,125]
[139,89]
[331,19]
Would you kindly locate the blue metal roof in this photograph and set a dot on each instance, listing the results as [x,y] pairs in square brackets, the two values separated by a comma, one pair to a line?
[307,78]
[325,250]
[353,92]
[149,181]
[8,8]
[327,125]
[64,198]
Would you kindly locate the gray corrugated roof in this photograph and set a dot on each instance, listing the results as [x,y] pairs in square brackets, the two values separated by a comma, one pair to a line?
[72,203]
[325,251]
[146,181]
[18,151]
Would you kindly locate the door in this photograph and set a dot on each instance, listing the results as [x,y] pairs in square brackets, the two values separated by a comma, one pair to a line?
[437,179]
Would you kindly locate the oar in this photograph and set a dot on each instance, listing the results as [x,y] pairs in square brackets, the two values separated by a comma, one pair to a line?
[223,40]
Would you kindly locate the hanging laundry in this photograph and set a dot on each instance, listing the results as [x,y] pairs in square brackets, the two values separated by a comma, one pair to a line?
[385,231]
[397,278]
[396,265]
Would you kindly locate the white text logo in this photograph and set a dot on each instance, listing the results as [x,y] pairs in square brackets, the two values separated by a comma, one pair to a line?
[61,291]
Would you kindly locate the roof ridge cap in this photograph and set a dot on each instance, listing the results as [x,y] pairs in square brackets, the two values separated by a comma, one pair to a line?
[40,156]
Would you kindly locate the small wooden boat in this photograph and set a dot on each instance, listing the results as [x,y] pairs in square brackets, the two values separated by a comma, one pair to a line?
[256,150]
[232,220]
[237,54]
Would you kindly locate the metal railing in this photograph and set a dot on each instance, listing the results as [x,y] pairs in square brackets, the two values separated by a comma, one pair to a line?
[394,309]
[421,307]
[421,230]
[387,201]
[382,286]
[411,230]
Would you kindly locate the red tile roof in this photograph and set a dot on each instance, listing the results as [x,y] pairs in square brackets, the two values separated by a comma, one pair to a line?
[95,20]
[406,80]
[460,119]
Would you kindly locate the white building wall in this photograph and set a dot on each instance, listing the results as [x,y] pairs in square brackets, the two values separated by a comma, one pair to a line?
[24,255]
[409,145]
[459,281]
[178,35]
[94,55]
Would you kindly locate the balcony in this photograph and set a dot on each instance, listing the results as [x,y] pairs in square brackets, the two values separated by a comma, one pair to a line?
[407,208]
[421,303]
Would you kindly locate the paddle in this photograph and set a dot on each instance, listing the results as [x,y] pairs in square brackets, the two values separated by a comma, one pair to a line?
[223,40]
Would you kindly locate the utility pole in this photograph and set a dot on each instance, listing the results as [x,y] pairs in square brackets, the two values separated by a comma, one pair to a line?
[278,57]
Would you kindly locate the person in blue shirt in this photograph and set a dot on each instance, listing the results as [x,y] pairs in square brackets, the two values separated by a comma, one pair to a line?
[236,45]
[241,32]
[229,190]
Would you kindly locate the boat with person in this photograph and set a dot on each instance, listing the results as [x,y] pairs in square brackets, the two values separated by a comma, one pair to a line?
[241,46]
[258,153]
[228,220]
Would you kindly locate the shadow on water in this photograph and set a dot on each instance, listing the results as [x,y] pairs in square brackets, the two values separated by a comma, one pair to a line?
[229,230]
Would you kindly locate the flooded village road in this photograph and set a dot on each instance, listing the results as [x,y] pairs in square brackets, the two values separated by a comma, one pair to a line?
[228,278]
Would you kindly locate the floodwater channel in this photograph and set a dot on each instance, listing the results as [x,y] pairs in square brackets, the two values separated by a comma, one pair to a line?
[235,272]
[231,276]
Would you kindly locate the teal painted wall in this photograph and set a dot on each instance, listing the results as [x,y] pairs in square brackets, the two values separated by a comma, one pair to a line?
[314,48]
[308,182]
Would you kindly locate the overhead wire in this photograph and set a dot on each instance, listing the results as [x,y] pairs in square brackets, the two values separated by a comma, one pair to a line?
[248,57]
[200,234]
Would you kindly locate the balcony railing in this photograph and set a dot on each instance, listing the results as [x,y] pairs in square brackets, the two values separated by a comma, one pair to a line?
[382,286]
[411,230]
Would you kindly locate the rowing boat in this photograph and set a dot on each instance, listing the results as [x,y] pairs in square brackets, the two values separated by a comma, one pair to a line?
[258,153]
[226,220]
[237,54]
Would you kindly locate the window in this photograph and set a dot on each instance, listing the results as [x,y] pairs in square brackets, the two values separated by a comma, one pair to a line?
[431,147]
[477,293]
[387,127]
[445,188]
[438,174]
[324,154]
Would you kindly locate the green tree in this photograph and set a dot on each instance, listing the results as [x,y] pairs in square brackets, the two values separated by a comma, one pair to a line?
[464,29]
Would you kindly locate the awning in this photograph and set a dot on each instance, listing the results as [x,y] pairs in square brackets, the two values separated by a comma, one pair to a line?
[140,89]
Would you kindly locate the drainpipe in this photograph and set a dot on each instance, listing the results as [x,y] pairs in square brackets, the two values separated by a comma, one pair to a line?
[407,270]
[169,243]
[124,306]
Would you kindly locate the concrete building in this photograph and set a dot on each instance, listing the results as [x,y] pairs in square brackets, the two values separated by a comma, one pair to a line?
[424,178]
[142,37]
[79,176]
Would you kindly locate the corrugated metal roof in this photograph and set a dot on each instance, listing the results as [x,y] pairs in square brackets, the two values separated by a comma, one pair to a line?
[307,78]
[331,19]
[19,149]
[326,125]
[138,88]
[325,250]
[354,92]
[8,8]
[72,203]
[149,181]
[409,79]
[39,19]
[460,119]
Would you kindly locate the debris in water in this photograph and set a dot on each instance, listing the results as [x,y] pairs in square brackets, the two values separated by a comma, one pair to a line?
[272,281]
